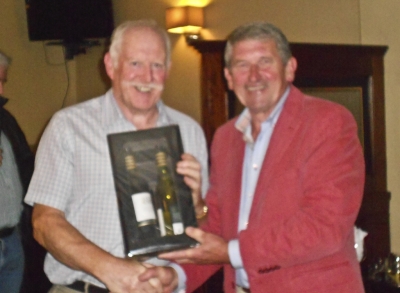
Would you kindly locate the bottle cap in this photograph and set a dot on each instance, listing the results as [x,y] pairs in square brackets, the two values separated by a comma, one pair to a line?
[130,163]
[161,159]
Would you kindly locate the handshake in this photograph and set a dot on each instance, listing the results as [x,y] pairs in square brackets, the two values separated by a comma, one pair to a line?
[160,279]
[128,275]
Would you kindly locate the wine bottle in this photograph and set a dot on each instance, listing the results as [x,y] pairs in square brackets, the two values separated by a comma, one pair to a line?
[142,201]
[166,193]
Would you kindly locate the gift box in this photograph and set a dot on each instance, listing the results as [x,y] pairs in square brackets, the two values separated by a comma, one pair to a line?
[155,205]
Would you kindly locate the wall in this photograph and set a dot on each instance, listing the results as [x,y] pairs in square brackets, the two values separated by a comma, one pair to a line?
[40,82]
[36,85]
[324,22]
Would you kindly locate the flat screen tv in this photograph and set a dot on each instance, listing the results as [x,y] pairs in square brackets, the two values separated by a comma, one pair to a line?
[71,21]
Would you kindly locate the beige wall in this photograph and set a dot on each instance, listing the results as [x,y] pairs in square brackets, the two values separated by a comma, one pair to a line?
[38,79]
[311,21]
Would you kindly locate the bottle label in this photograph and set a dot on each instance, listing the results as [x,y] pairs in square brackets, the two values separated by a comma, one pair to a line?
[177,225]
[161,222]
[175,213]
[178,228]
[143,207]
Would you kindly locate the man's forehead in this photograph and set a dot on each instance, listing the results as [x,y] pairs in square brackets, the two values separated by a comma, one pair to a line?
[251,47]
[142,33]
[142,38]
[254,42]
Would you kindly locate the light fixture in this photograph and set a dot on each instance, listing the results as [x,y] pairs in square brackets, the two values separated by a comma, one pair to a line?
[187,20]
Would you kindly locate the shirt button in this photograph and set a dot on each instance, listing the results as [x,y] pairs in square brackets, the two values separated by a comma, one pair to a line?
[255,166]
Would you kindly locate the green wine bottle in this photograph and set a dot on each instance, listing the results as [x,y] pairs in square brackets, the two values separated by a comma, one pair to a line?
[166,193]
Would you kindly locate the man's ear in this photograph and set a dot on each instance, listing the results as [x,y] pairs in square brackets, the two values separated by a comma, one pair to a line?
[290,69]
[108,62]
[228,77]
[168,69]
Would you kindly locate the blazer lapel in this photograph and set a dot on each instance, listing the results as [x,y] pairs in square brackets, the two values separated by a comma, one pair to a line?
[235,182]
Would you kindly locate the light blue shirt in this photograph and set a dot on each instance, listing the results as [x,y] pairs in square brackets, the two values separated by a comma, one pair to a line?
[253,158]
[11,190]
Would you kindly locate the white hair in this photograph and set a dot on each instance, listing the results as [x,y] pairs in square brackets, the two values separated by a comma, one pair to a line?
[119,32]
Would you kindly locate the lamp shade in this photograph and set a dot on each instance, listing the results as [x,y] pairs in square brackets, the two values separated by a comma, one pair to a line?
[184,20]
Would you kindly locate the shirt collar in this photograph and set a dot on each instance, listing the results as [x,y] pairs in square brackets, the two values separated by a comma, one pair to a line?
[113,115]
[163,118]
[243,124]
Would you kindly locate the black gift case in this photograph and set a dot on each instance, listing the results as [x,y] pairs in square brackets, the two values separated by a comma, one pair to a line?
[138,149]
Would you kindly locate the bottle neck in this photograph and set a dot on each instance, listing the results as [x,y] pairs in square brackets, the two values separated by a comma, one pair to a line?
[163,170]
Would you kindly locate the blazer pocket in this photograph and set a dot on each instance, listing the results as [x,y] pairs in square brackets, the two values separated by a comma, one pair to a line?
[332,275]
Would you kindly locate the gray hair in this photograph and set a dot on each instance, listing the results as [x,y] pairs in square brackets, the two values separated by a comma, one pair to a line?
[5,61]
[258,31]
[119,32]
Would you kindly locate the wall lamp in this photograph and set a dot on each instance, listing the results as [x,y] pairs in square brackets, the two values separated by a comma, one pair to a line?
[186,20]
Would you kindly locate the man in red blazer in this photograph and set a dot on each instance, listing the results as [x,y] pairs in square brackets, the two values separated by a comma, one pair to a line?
[286,184]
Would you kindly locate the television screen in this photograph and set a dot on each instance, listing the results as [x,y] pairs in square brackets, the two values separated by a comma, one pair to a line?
[71,21]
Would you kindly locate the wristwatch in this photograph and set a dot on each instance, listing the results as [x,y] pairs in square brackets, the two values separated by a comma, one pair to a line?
[204,213]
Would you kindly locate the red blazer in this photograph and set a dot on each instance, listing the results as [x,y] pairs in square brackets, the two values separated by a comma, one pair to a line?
[300,232]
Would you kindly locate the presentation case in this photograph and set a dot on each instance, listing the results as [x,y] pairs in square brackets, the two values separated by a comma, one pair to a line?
[145,177]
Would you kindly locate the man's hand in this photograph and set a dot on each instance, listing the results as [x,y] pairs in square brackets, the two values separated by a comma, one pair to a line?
[166,275]
[190,168]
[124,278]
[212,249]
[69,246]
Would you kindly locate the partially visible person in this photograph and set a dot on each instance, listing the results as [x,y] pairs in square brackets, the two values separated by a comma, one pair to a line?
[75,213]
[16,166]
[286,184]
